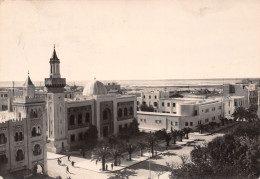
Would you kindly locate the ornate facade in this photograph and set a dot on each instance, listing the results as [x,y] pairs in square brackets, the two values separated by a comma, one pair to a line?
[22,134]
[68,119]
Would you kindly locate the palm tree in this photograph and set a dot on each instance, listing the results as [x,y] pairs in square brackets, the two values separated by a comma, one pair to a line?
[116,153]
[187,131]
[102,152]
[141,146]
[174,135]
[130,149]
[152,141]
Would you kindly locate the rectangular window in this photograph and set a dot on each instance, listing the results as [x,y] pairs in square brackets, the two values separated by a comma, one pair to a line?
[162,104]
[168,104]
[206,120]
[173,105]
[171,123]
[72,138]
[176,123]
[155,104]
[80,136]
[186,124]
[144,96]
[155,97]
[141,120]
[144,120]
[235,103]
[219,107]
[149,97]
[191,123]
[206,110]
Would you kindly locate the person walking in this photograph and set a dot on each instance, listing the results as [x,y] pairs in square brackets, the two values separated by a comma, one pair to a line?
[96,161]
[112,165]
[72,163]
[58,161]
[106,167]
[68,157]
[67,170]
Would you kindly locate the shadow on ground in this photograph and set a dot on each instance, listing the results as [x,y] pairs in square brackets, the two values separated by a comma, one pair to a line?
[145,165]
[123,174]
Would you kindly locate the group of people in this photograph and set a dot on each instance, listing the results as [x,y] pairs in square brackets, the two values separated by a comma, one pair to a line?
[67,167]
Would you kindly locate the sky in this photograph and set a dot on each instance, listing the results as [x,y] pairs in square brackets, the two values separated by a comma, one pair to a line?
[130,39]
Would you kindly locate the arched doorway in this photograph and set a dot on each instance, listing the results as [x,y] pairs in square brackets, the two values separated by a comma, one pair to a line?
[107,127]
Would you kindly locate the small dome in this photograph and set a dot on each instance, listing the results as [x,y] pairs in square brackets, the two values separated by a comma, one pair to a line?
[94,88]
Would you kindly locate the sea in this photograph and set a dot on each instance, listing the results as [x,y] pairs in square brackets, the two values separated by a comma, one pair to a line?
[148,83]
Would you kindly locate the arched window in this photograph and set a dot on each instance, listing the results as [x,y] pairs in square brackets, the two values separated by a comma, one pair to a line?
[37,150]
[19,155]
[16,137]
[3,139]
[21,136]
[72,121]
[35,115]
[3,159]
[19,115]
[39,131]
[34,132]
[131,111]
[125,112]
[80,118]
[119,112]
[105,115]
[87,120]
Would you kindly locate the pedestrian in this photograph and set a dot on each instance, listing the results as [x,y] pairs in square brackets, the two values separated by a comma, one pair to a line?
[106,167]
[58,161]
[72,163]
[112,165]
[68,157]
[67,170]
[96,161]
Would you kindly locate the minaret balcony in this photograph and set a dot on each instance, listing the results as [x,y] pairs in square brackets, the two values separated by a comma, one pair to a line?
[55,82]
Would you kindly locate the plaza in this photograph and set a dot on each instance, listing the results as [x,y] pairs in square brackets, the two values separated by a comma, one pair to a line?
[137,168]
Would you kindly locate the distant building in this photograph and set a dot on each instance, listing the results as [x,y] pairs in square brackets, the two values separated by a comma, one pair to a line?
[181,113]
[249,91]
[231,103]
[113,88]
[22,134]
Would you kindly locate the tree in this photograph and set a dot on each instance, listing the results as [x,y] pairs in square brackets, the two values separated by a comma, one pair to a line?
[152,141]
[200,127]
[187,131]
[181,134]
[240,113]
[130,149]
[141,146]
[134,129]
[174,135]
[117,153]
[144,107]
[251,113]
[101,152]
[212,125]
[91,137]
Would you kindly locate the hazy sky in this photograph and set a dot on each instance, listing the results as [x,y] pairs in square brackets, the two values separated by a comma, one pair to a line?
[130,39]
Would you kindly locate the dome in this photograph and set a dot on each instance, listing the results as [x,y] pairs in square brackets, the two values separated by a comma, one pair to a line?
[94,88]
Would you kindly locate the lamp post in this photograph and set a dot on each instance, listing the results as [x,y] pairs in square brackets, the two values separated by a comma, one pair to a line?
[149,165]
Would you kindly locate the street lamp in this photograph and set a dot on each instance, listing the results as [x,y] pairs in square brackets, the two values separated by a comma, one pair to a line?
[149,165]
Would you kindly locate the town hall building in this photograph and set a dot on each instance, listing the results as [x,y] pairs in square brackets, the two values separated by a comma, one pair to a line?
[68,119]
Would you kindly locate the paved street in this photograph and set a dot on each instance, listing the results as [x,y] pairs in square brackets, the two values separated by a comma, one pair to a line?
[85,168]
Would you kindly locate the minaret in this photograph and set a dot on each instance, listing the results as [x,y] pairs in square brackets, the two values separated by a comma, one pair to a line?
[55,106]
[28,88]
